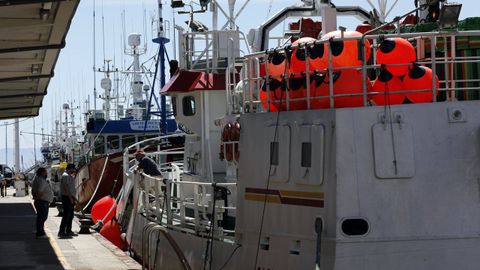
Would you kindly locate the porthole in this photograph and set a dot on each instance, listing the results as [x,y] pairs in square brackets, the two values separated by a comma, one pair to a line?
[355,227]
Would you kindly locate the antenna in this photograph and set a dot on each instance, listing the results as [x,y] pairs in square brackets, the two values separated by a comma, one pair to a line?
[94,62]
[383,9]
[103,36]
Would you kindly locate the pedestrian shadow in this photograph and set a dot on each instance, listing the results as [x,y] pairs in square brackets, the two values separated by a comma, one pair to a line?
[19,248]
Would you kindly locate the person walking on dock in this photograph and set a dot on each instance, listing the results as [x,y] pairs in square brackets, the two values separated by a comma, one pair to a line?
[69,192]
[43,196]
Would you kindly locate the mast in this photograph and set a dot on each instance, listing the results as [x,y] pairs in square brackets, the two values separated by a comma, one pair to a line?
[162,40]
[17,146]
[6,143]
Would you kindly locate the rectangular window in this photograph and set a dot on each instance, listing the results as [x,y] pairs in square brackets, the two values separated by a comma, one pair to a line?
[188,104]
[174,106]
[306,155]
[128,140]
[274,153]
[113,142]
[100,145]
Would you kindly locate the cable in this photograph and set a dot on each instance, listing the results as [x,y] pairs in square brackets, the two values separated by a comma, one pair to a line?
[230,257]
[209,246]
[271,165]
[158,235]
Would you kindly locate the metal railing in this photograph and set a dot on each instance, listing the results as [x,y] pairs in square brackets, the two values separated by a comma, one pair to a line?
[172,202]
[443,60]
[205,51]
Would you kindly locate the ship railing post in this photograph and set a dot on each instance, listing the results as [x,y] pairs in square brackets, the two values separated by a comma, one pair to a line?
[364,69]
[195,207]
[434,66]
[452,66]
[168,206]
[307,72]
[250,76]
[330,75]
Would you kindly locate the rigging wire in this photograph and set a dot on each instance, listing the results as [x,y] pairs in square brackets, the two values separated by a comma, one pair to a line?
[270,5]
[272,151]
[94,59]
[103,37]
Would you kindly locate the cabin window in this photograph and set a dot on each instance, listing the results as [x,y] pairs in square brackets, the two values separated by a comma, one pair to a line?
[188,105]
[306,155]
[113,142]
[274,153]
[174,105]
[355,227]
[149,143]
[99,145]
[128,140]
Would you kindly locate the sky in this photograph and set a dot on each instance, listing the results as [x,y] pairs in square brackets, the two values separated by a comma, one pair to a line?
[74,79]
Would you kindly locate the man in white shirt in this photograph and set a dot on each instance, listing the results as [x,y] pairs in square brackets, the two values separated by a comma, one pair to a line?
[69,199]
[43,196]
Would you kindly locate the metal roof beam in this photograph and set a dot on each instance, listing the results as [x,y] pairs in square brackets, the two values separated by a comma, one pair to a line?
[31,77]
[33,48]
[26,2]
[9,23]
[26,95]
[20,107]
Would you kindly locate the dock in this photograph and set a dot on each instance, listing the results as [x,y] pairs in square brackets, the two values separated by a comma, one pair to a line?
[20,249]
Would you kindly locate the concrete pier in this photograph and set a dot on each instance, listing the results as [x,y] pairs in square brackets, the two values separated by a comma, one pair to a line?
[20,249]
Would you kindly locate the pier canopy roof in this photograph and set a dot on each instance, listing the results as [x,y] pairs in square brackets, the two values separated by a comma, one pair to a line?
[32,33]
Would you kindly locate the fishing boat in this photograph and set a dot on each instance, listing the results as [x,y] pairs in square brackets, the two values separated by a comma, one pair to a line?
[110,130]
[348,150]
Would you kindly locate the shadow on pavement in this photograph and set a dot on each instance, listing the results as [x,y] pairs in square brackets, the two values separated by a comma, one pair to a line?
[19,248]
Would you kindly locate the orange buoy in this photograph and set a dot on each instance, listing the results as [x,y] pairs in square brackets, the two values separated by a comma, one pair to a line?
[276,64]
[386,85]
[278,94]
[273,85]
[396,51]
[111,231]
[101,208]
[347,82]
[420,78]
[298,57]
[344,52]
[316,56]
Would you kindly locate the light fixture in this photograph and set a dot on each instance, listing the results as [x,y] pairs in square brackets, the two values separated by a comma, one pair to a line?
[449,14]
[204,3]
[177,4]
[196,26]
[45,11]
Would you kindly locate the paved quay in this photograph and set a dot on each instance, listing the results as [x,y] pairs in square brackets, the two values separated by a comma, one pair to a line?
[20,249]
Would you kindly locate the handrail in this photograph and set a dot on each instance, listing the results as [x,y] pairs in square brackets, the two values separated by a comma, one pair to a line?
[252,80]
[152,226]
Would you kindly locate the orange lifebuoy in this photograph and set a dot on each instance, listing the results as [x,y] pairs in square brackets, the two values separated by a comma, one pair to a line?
[235,136]
[229,145]
[235,132]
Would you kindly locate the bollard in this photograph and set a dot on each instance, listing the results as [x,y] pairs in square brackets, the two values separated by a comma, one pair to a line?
[85,224]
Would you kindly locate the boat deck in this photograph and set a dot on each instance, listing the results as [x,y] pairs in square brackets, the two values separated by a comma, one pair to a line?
[19,248]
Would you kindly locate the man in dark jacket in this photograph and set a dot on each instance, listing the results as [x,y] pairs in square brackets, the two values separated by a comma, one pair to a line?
[43,196]
[147,164]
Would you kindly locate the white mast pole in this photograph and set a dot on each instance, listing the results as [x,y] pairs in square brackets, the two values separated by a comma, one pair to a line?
[17,146]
